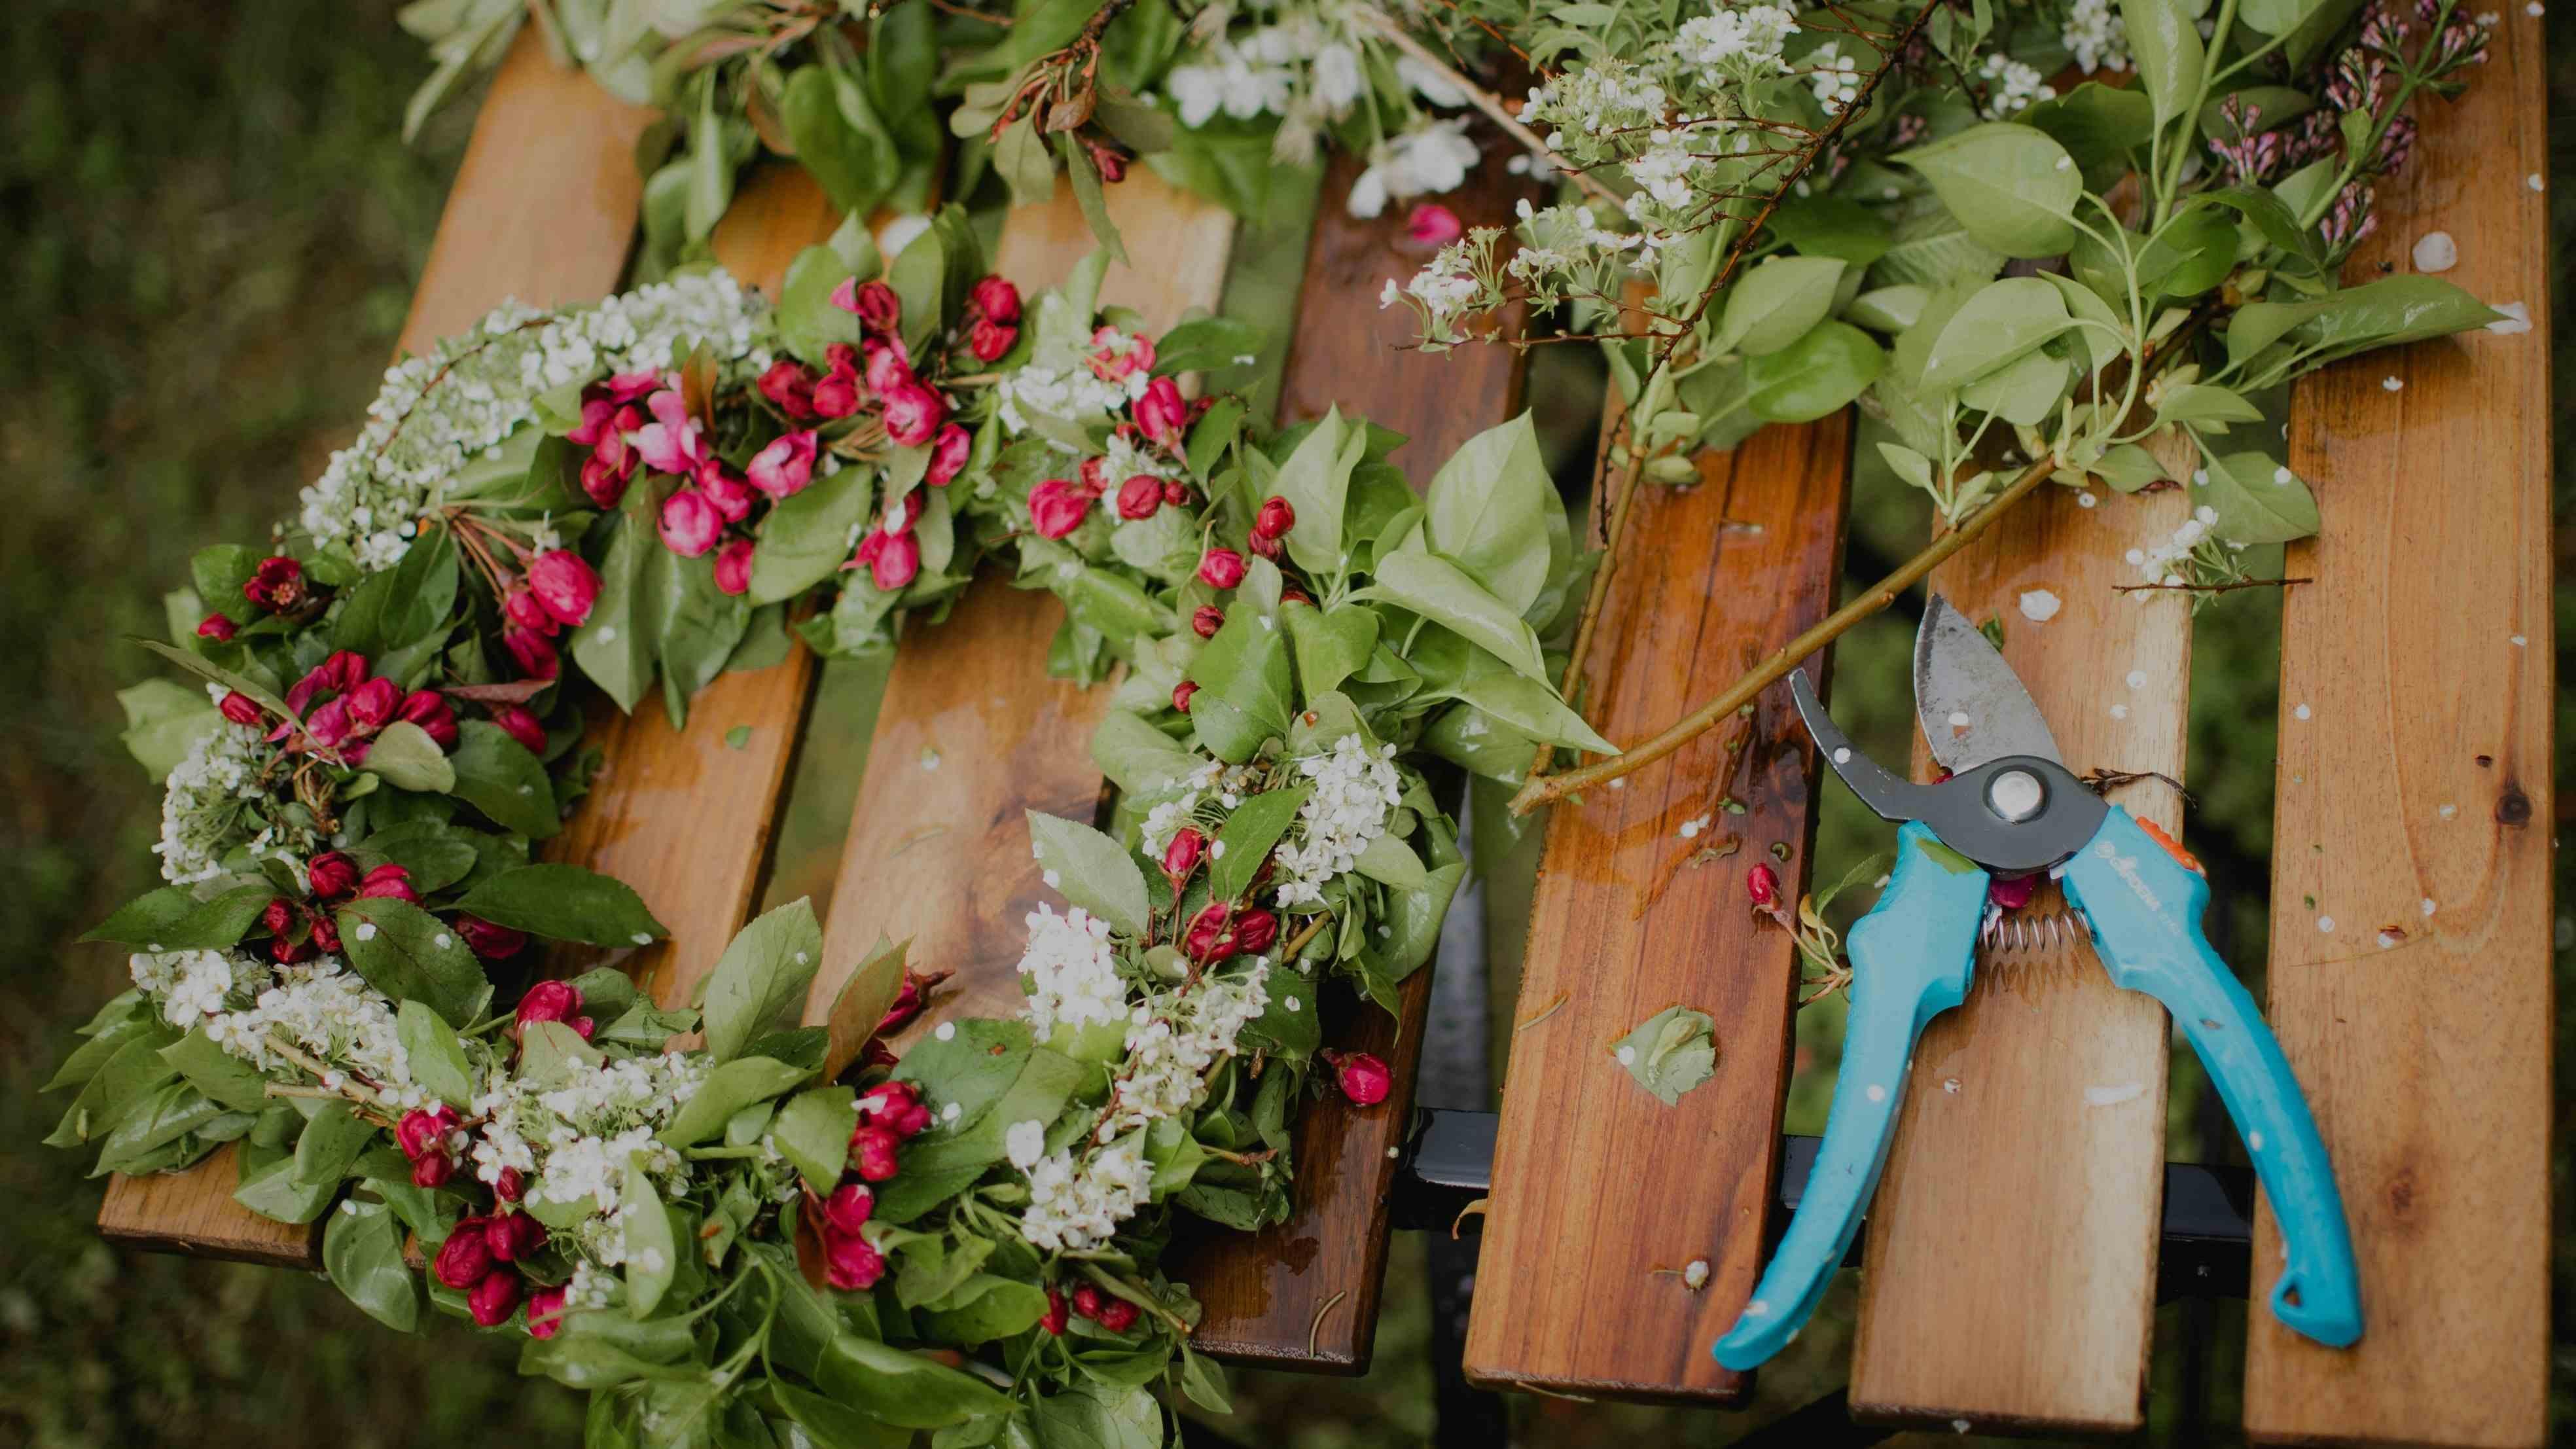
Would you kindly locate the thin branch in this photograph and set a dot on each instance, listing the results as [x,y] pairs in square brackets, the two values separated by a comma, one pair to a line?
[1485,101]
[2224,588]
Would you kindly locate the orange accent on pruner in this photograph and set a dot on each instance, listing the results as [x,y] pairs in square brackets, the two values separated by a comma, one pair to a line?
[2172,846]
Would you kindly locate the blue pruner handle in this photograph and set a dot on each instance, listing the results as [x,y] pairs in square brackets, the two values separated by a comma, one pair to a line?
[1911,959]
[2143,903]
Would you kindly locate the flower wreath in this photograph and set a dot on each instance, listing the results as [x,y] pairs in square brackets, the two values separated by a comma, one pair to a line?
[338,973]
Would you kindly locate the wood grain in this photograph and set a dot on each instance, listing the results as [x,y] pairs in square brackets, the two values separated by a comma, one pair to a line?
[971,732]
[2418,779]
[1304,1294]
[546,136]
[1602,1194]
[2010,1266]
[682,815]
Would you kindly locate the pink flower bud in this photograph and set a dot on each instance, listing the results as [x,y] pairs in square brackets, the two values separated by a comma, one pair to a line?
[948,454]
[536,658]
[606,472]
[783,468]
[520,725]
[514,1237]
[493,1300]
[725,489]
[837,396]
[1057,507]
[276,585]
[241,709]
[1086,1300]
[910,1001]
[897,561]
[1221,568]
[846,1211]
[520,607]
[2011,895]
[215,627]
[507,1184]
[429,709]
[326,933]
[432,1169]
[1139,496]
[491,942]
[1275,518]
[565,584]
[1181,693]
[998,299]
[1107,158]
[1176,493]
[887,364]
[690,523]
[545,1311]
[1117,1315]
[1433,225]
[1763,884]
[372,704]
[1364,1078]
[1206,620]
[465,1257]
[1055,1318]
[1266,545]
[1182,855]
[989,339]
[1254,931]
[343,671]
[388,882]
[913,414]
[328,726]
[872,1152]
[733,566]
[1161,413]
[1114,357]
[549,1001]
[1211,933]
[790,388]
[850,1265]
[419,1132]
[884,1105]
[878,308]
[331,874]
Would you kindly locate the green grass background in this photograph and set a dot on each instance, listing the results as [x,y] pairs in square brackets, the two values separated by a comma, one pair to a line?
[208,230]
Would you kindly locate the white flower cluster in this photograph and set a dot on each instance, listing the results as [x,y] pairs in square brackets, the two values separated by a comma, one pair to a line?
[2013,86]
[577,1139]
[201,803]
[1176,1039]
[1072,971]
[2096,36]
[1074,395]
[1211,780]
[1078,1203]
[318,1007]
[189,986]
[1834,77]
[460,401]
[1446,286]
[2162,563]
[1355,789]
[1735,43]
[1433,157]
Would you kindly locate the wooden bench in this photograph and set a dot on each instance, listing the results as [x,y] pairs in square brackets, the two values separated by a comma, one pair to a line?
[2012,1246]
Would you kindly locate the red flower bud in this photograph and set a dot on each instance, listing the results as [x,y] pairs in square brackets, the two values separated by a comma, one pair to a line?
[432,1169]
[897,561]
[514,1236]
[691,523]
[388,882]
[216,627]
[1264,545]
[1434,225]
[1182,855]
[1763,884]
[1181,693]
[2011,895]
[331,874]
[536,657]
[790,388]
[345,670]
[989,339]
[1364,1078]
[1254,931]
[1058,506]
[549,1001]
[424,1132]
[493,1300]
[545,1311]
[1107,158]
[1176,493]
[1211,934]
[948,453]
[1221,568]
[276,585]
[429,709]
[909,1001]
[1294,596]
[997,298]
[240,708]
[885,1105]
[1139,496]
[1117,1315]
[521,608]
[326,933]
[837,396]
[465,1257]
[1275,518]
[565,585]
[1055,1317]
[913,414]
[878,308]
[1161,413]
[372,704]
[872,1153]
[847,1209]
[1207,620]
[279,918]
[850,1264]
[733,567]
[1086,1300]
[516,722]
[507,1185]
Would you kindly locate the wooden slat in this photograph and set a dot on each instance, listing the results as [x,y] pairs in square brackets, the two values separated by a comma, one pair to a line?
[1305,1293]
[682,815]
[543,209]
[2010,1272]
[971,732]
[1603,1196]
[2414,776]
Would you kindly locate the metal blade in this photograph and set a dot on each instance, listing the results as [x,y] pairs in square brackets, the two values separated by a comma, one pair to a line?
[1893,797]
[1972,706]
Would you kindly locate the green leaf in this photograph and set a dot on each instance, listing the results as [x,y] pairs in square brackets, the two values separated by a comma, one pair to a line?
[2098,125]
[1084,177]
[2023,393]
[2259,501]
[173,919]
[1533,708]
[728,1089]
[760,981]
[1247,837]
[2206,406]
[1487,511]
[833,1425]
[902,1388]
[838,137]
[272,1192]
[330,1146]
[813,1133]
[807,321]
[1245,687]
[410,601]
[564,903]
[2384,313]
[1818,375]
[991,1307]
[2002,323]
[404,756]
[1670,1052]
[2164,40]
[362,1250]
[1446,594]
[1888,309]
[496,775]
[615,647]
[1775,303]
[1090,870]
[1096,1417]
[652,1257]
[411,955]
[208,670]
[1331,644]
[1315,480]
[163,721]
[224,1078]
[2012,186]
[1831,226]
[806,538]
[2128,468]
[1136,756]
[437,1057]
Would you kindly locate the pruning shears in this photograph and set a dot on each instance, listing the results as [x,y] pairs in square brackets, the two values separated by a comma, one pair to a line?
[2011,809]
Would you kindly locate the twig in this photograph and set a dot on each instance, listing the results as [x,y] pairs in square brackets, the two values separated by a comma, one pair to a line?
[2211,588]
[1485,101]
[1315,1329]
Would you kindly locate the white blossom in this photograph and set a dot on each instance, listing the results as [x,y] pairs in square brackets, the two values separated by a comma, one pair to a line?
[1072,971]
[1078,1203]
[1354,789]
